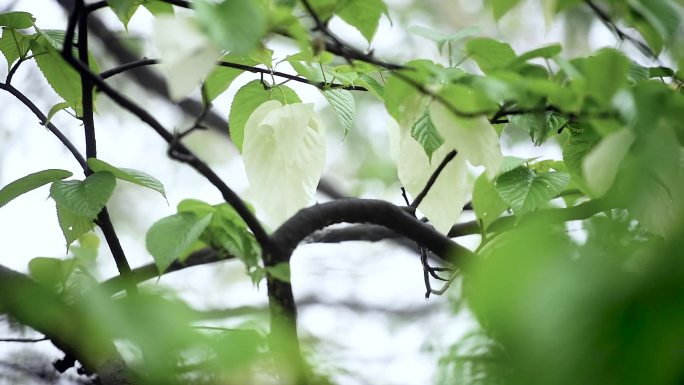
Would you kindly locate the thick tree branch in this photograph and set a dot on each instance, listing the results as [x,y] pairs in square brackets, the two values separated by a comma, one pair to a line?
[35,306]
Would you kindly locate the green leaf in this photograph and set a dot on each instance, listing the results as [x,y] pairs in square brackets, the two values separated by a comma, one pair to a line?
[544,52]
[606,73]
[169,237]
[284,156]
[158,7]
[601,165]
[55,109]
[73,225]
[220,78]
[234,25]
[490,54]
[14,45]
[540,125]
[130,175]
[425,133]
[17,20]
[87,197]
[280,271]
[227,231]
[364,15]
[59,74]
[525,190]
[372,85]
[247,99]
[124,9]
[342,101]
[501,7]
[51,272]
[657,21]
[30,182]
[441,38]
[487,204]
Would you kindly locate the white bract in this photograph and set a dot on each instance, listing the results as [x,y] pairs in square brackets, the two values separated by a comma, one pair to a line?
[473,138]
[187,54]
[444,202]
[284,156]
[600,166]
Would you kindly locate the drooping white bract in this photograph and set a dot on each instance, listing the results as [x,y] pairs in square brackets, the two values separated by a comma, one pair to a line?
[187,54]
[600,166]
[444,202]
[473,138]
[284,156]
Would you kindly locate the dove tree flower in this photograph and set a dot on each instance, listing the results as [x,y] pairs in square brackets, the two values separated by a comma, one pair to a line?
[284,156]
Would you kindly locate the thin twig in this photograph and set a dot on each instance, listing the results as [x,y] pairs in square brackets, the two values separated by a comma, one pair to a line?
[610,24]
[43,119]
[228,194]
[24,340]
[433,178]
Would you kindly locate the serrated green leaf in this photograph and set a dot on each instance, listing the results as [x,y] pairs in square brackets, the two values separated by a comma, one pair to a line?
[525,190]
[342,101]
[234,25]
[284,156]
[169,237]
[124,9]
[14,45]
[364,15]
[130,175]
[490,54]
[425,133]
[30,182]
[73,225]
[487,204]
[247,99]
[85,197]
[17,20]
[59,74]
[280,271]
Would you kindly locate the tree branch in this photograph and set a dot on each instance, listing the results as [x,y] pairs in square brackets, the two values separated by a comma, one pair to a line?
[43,119]
[37,307]
[623,36]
